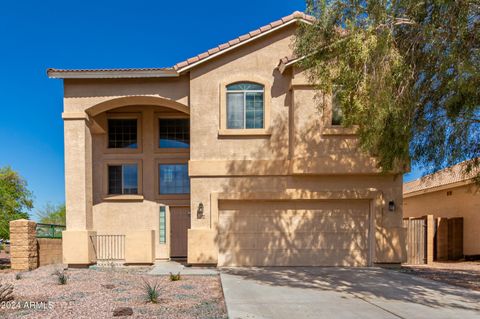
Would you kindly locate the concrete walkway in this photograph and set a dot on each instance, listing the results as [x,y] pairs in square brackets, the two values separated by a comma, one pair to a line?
[342,293]
[167,267]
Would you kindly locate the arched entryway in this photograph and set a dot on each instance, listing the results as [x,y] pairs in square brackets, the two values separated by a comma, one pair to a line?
[141,149]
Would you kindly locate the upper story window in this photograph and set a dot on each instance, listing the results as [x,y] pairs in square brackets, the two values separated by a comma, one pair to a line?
[337,114]
[174,133]
[123,179]
[122,133]
[173,179]
[245,106]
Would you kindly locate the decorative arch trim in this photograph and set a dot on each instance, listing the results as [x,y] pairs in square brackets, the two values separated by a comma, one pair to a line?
[136,100]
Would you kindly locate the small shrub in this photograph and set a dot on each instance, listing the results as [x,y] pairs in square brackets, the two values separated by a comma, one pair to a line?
[151,291]
[61,277]
[174,277]
[18,276]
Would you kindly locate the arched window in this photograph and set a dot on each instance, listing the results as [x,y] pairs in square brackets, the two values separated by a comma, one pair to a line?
[245,106]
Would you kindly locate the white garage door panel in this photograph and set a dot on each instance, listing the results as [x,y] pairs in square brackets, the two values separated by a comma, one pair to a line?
[293,233]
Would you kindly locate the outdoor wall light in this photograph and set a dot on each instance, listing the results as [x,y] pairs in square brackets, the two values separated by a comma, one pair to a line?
[391,206]
[200,211]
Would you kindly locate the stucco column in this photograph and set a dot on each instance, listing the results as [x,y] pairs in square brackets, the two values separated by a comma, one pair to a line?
[78,172]
[77,243]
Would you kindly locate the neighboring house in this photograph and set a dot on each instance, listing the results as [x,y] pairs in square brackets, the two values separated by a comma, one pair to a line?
[226,160]
[447,193]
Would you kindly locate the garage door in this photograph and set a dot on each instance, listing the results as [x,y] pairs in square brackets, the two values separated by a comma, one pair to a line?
[293,233]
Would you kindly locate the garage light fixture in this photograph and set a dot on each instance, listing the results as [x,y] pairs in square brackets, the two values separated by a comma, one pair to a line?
[391,206]
[200,211]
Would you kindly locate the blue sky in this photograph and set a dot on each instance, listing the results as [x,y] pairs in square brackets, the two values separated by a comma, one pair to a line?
[36,35]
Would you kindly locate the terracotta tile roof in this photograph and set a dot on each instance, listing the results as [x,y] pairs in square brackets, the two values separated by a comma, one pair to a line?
[111,73]
[297,15]
[112,70]
[287,61]
[184,65]
[449,175]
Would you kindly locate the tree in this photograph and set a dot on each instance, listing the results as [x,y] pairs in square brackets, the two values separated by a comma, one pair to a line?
[407,72]
[52,214]
[15,199]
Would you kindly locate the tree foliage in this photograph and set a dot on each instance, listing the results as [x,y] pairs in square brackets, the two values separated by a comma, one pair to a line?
[52,214]
[15,199]
[407,72]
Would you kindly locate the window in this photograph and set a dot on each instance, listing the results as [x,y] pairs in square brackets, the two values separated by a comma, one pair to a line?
[163,226]
[123,179]
[122,133]
[174,179]
[245,106]
[174,133]
[337,114]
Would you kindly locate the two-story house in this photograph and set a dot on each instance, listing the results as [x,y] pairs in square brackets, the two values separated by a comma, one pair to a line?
[225,159]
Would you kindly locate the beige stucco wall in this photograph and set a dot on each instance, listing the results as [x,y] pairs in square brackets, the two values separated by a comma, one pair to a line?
[388,232]
[297,152]
[80,95]
[464,202]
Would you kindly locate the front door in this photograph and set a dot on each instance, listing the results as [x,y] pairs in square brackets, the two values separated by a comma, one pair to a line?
[179,225]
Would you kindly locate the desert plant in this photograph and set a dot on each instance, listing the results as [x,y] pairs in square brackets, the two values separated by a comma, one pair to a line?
[6,292]
[61,277]
[175,277]
[151,291]
[18,276]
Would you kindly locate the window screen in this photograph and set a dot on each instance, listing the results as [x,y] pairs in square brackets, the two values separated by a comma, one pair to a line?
[174,179]
[122,133]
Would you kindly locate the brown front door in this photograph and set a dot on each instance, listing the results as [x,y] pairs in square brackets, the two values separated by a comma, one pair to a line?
[179,225]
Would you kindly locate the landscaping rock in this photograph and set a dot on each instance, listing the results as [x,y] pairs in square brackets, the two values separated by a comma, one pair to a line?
[122,311]
[108,286]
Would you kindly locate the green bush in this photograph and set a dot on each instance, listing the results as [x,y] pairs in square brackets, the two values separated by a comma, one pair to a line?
[151,291]
[175,277]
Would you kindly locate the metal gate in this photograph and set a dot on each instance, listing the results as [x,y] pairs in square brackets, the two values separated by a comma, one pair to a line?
[416,240]
[109,248]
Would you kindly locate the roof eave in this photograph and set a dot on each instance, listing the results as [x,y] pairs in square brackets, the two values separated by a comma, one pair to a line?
[282,66]
[110,74]
[260,35]
[416,192]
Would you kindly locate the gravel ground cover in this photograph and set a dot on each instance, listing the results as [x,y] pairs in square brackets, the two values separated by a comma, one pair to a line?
[95,293]
[463,274]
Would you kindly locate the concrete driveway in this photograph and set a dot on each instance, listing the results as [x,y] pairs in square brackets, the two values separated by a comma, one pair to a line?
[319,292]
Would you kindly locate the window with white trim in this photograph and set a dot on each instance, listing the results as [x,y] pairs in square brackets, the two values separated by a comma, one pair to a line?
[245,106]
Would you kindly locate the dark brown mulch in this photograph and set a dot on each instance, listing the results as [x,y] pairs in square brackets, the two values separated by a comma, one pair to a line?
[453,274]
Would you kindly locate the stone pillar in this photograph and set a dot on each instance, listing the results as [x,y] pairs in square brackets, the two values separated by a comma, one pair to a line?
[77,246]
[23,245]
